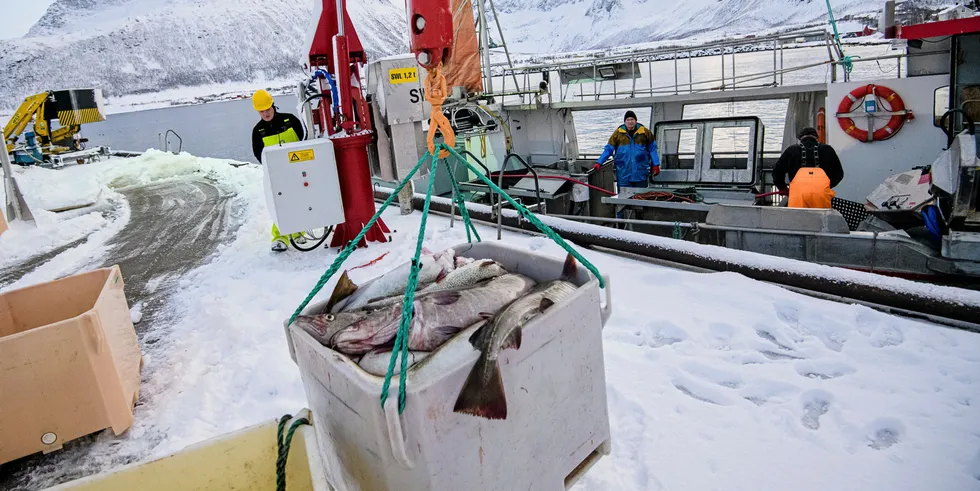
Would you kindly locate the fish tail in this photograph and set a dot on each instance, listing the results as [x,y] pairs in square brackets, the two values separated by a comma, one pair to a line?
[570,268]
[483,395]
[344,289]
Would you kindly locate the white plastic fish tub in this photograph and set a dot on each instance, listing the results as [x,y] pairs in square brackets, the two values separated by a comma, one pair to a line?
[557,425]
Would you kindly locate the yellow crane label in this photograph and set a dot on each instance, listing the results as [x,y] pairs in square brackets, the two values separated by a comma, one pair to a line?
[300,156]
[403,75]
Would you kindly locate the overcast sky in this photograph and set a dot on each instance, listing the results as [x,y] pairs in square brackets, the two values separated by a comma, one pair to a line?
[17,16]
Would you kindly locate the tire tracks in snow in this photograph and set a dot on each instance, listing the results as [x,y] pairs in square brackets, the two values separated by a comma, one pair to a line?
[174,226]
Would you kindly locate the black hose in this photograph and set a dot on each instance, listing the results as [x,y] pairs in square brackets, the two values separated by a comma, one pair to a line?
[318,95]
[314,246]
[950,133]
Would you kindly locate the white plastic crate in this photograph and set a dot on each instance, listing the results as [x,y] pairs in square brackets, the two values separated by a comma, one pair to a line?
[557,424]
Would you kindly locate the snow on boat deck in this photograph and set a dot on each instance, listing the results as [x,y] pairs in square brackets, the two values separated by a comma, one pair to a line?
[715,381]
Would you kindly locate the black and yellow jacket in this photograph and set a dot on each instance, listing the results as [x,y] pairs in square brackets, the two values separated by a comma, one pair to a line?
[284,128]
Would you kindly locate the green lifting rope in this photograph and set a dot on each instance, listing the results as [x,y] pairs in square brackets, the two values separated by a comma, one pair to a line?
[846,60]
[401,336]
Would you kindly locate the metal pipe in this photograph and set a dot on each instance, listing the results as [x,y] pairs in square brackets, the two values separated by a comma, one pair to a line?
[595,84]
[340,22]
[888,14]
[675,77]
[833,70]
[496,20]
[631,221]
[775,68]
[861,289]
[733,69]
[782,64]
[500,200]
[633,70]
[690,74]
[485,41]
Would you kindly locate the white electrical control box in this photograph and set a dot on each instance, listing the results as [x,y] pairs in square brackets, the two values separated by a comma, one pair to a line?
[302,188]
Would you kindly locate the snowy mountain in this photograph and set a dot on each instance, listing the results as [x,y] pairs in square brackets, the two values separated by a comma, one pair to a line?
[143,46]
[571,25]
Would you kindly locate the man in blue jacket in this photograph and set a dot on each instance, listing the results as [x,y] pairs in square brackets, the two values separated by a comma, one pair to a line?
[636,153]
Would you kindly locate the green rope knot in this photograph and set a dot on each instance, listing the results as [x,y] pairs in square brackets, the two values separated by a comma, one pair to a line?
[282,447]
[846,61]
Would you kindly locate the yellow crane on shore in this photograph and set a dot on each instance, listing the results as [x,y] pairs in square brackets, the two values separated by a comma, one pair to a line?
[71,108]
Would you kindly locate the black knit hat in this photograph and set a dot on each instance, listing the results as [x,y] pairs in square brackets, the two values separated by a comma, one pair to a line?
[629,114]
[808,132]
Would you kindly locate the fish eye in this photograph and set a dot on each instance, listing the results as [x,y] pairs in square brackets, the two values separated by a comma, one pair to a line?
[330,317]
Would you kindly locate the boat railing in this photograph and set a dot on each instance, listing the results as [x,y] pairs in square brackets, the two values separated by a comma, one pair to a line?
[604,76]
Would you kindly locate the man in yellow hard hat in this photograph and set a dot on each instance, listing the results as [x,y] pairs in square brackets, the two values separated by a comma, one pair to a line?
[275,128]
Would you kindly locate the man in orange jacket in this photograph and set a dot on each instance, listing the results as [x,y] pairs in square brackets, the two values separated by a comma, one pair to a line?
[813,169]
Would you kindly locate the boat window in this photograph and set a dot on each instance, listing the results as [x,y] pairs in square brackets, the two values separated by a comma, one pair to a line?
[730,148]
[677,149]
[940,104]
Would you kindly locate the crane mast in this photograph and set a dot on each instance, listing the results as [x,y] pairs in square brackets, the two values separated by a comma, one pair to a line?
[336,57]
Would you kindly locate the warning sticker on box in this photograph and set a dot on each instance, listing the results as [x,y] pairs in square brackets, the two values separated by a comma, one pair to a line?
[300,156]
[403,75]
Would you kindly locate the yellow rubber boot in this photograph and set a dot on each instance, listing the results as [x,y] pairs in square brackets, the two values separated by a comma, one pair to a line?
[279,243]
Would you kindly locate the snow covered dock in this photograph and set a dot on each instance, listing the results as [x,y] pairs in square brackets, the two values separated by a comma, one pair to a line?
[715,381]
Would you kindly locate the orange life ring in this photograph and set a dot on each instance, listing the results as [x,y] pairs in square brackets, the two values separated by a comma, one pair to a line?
[880,92]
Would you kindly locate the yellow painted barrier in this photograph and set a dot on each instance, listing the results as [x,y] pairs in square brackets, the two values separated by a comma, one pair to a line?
[244,460]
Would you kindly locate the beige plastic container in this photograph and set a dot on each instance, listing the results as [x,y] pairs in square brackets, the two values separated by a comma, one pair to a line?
[244,460]
[69,362]
[557,425]
[3,223]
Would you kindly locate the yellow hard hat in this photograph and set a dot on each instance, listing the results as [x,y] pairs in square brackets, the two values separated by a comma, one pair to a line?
[261,100]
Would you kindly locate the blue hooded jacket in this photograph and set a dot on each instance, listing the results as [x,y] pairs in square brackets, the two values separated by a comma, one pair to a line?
[634,154]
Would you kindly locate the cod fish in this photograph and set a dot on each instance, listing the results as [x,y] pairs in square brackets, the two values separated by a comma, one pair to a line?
[463,277]
[483,392]
[348,296]
[437,317]
[324,326]
[376,362]
[467,275]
